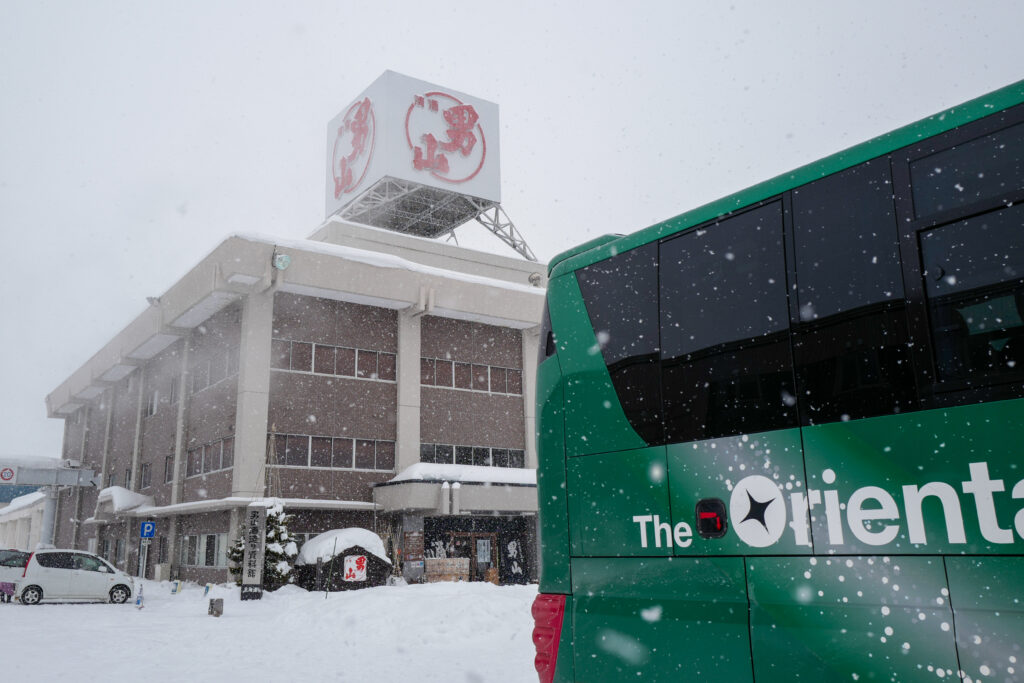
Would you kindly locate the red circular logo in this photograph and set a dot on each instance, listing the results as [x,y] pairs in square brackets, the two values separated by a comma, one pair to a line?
[353,147]
[7,474]
[449,142]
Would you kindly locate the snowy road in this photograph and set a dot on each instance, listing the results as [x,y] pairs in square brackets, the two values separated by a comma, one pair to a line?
[471,633]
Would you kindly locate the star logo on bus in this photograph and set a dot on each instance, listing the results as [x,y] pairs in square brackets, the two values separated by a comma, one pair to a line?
[757,502]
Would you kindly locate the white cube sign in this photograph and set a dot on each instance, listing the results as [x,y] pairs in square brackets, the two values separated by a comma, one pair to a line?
[355,568]
[411,130]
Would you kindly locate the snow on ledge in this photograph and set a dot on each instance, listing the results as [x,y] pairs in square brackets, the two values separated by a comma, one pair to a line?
[331,543]
[22,502]
[467,474]
[122,500]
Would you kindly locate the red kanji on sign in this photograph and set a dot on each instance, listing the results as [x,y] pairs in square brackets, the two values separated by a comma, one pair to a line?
[357,132]
[451,145]
[461,120]
[355,568]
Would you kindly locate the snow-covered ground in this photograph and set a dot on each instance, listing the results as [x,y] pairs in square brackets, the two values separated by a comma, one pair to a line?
[453,632]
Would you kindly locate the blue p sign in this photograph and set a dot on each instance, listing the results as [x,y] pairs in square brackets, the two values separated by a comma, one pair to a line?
[147,530]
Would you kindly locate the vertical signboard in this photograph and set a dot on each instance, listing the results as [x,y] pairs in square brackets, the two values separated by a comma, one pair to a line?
[355,568]
[418,132]
[255,546]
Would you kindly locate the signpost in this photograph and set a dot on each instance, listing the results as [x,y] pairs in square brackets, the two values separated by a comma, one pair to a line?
[255,547]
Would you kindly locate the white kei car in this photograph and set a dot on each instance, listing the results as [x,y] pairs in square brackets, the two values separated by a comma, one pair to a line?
[69,576]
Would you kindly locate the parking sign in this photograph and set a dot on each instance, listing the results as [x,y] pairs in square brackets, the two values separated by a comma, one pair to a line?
[147,530]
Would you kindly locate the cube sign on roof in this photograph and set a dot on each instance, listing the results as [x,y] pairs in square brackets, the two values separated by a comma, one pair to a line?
[411,130]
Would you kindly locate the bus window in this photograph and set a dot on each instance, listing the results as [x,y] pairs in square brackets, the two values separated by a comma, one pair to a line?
[974,281]
[850,345]
[621,296]
[990,168]
[726,362]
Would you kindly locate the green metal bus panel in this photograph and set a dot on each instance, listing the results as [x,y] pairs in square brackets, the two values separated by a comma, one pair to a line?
[607,491]
[767,467]
[904,483]
[551,486]
[848,619]
[594,420]
[660,619]
[933,125]
[988,601]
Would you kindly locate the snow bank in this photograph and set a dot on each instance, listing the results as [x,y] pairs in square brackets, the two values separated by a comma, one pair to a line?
[467,474]
[465,632]
[331,543]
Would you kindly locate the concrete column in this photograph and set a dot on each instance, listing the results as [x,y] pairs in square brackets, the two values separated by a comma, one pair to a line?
[408,376]
[184,396]
[137,443]
[253,407]
[109,399]
[531,344]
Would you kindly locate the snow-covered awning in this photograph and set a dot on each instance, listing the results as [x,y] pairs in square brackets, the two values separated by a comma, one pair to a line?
[467,474]
[118,500]
[217,504]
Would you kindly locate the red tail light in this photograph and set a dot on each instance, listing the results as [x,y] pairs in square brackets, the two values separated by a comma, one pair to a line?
[25,570]
[548,610]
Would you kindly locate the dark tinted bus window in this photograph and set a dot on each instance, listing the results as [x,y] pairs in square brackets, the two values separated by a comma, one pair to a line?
[990,168]
[726,364]
[974,281]
[621,295]
[850,347]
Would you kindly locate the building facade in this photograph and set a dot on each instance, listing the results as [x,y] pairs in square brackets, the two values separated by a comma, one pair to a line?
[366,378]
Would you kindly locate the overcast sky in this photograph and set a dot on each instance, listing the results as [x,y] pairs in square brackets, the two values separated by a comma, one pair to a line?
[134,137]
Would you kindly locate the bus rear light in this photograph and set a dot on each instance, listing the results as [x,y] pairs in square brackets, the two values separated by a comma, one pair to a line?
[548,610]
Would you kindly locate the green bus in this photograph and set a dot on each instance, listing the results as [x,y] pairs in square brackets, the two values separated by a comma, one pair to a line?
[781,436]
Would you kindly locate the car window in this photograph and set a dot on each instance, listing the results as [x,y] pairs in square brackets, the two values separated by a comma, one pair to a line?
[89,563]
[55,560]
[13,558]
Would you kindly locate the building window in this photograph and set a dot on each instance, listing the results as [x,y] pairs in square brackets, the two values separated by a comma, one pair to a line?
[144,476]
[326,359]
[152,401]
[493,379]
[447,454]
[172,391]
[210,371]
[162,554]
[211,457]
[204,550]
[169,468]
[302,450]
[128,478]
[112,479]
[119,551]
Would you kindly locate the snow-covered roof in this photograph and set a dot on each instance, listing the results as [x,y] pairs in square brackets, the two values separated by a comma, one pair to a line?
[384,260]
[121,499]
[332,543]
[214,504]
[467,474]
[22,502]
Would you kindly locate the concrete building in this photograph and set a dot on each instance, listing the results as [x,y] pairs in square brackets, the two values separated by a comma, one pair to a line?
[21,521]
[367,378]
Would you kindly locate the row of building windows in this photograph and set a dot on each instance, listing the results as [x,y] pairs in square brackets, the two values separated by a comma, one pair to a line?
[472,455]
[324,359]
[205,373]
[438,372]
[212,457]
[301,450]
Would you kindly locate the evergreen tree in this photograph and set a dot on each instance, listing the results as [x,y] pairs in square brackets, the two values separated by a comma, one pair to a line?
[281,551]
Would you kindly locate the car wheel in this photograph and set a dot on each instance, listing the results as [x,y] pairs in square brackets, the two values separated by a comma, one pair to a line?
[119,594]
[31,595]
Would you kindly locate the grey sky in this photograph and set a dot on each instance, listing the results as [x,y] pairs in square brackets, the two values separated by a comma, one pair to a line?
[135,136]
